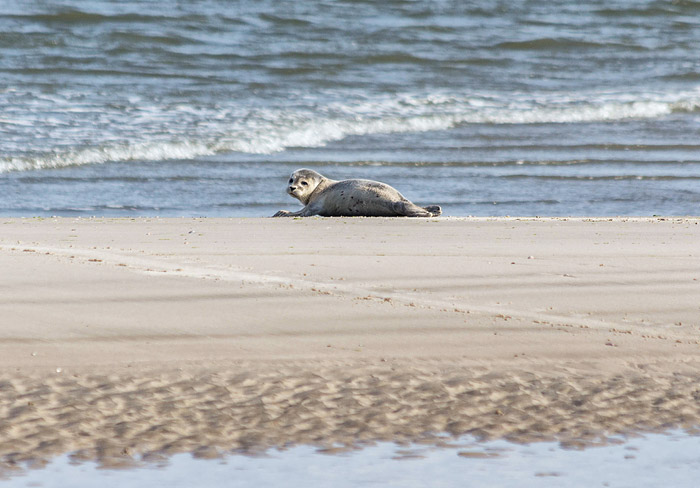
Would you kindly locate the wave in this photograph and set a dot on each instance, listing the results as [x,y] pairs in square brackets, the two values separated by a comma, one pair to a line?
[653,10]
[635,177]
[549,44]
[285,21]
[147,151]
[73,16]
[257,131]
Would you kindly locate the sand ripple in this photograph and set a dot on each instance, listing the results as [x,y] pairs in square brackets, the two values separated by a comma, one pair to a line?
[122,419]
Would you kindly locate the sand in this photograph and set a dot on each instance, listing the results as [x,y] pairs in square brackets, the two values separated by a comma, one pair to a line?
[126,340]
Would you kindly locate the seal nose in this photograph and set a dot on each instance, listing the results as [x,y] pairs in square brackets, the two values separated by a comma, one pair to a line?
[292,188]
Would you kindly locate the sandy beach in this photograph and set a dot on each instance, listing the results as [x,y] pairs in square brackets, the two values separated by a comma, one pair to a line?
[125,340]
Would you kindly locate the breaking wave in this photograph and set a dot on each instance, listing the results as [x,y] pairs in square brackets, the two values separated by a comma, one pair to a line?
[187,133]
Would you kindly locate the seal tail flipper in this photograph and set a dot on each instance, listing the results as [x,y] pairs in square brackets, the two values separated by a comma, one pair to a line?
[435,210]
[408,209]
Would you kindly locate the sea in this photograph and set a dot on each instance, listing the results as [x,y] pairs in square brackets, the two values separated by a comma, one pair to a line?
[486,107]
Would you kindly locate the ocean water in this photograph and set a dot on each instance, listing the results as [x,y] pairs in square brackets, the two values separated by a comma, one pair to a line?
[644,462]
[203,108]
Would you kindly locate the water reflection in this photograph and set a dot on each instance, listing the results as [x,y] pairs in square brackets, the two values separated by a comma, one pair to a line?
[654,460]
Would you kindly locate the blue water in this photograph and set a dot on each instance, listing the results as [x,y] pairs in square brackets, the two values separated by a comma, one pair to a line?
[155,107]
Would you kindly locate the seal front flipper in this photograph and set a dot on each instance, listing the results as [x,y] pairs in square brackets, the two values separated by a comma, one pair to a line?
[287,213]
[307,211]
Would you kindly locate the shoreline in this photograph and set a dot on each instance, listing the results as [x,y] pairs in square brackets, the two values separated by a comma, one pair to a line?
[131,338]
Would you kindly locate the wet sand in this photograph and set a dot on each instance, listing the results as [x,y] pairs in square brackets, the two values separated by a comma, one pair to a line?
[124,340]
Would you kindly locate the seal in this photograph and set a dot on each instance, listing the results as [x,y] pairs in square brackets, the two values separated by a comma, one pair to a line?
[349,198]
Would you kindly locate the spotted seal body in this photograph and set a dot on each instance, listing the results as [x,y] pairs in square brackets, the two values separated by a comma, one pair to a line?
[349,198]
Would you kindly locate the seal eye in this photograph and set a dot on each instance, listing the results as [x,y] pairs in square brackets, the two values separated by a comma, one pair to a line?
[291,180]
[303,183]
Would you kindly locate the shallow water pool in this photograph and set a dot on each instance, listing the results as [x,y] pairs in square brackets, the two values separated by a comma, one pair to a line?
[653,460]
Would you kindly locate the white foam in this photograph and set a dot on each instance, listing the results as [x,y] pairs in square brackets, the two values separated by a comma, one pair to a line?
[148,151]
[153,133]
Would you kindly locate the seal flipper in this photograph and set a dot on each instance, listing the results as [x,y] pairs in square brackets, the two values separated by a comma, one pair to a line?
[434,209]
[408,209]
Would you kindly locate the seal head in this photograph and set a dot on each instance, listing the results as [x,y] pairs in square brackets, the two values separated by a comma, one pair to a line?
[303,183]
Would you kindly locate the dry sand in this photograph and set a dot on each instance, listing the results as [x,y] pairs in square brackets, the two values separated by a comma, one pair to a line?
[129,339]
